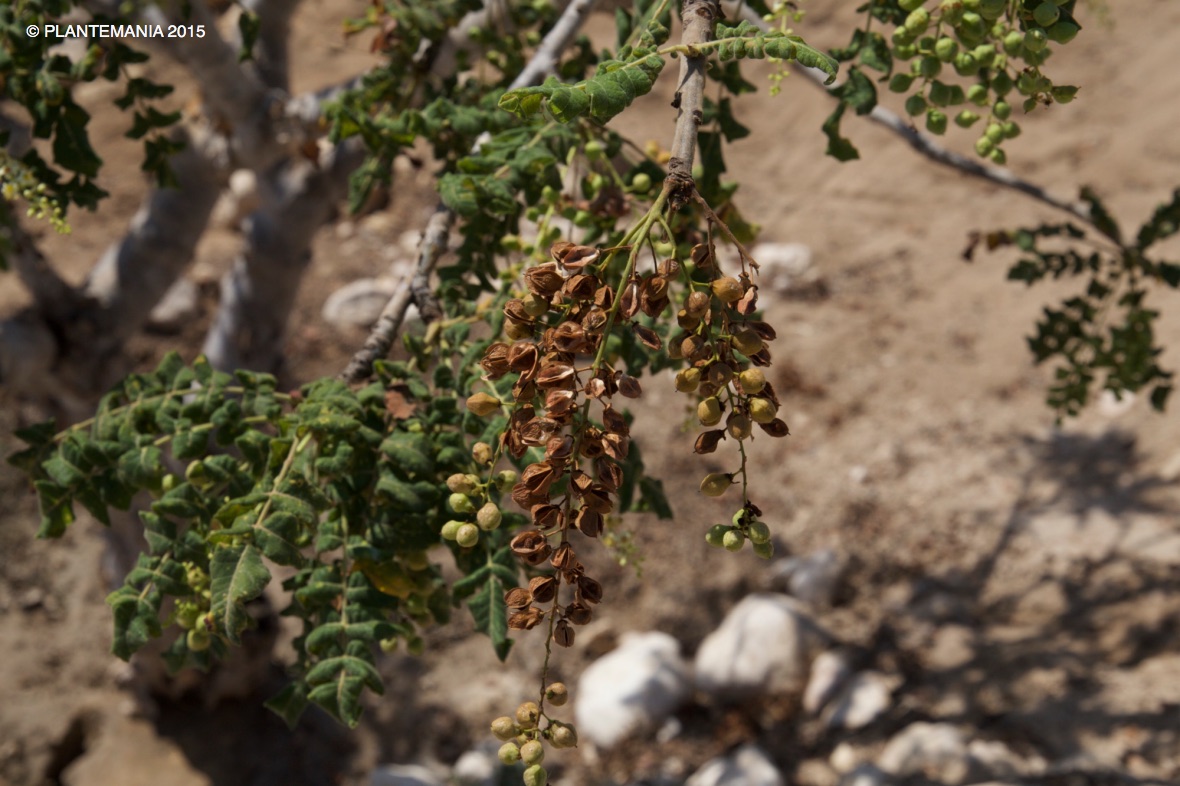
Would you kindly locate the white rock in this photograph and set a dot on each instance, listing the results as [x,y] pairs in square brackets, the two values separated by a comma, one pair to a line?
[814,578]
[404,775]
[631,689]
[935,750]
[476,767]
[866,697]
[746,766]
[178,306]
[763,647]
[865,775]
[360,302]
[829,672]
[785,266]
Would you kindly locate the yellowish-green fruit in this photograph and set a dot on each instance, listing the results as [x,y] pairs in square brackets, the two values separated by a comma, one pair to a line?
[688,379]
[504,728]
[759,532]
[764,550]
[715,484]
[536,776]
[467,536]
[762,410]
[727,289]
[562,735]
[532,752]
[509,754]
[557,694]
[198,639]
[734,540]
[459,484]
[482,452]
[709,411]
[450,530]
[716,535]
[747,342]
[482,404]
[527,715]
[489,516]
[460,503]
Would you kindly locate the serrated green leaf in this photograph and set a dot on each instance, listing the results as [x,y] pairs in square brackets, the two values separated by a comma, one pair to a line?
[410,454]
[136,620]
[57,508]
[289,703]
[238,576]
[337,684]
[491,614]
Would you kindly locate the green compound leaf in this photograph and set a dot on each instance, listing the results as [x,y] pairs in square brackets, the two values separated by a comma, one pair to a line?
[337,684]
[289,703]
[491,614]
[1164,223]
[238,576]
[747,40]
[136,620]
[610,91]
[839,147]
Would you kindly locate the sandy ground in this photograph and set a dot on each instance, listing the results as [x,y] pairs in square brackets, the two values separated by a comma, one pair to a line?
[1023,578]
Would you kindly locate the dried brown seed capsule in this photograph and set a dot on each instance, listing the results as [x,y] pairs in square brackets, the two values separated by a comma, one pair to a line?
[776,428]
[525,620]
[688,379]
[648,337]
[707,389]
[557,694]
[578,613]
[589,522]
[686,322]
[547,516]
[709,411]
[738,426]
[543,280]
[563,559]
[761,410]
[702,256]
[697,304]
[495,360]
[589,589]
[746,341]
[563,634]
[720,374]
[527,715]
[752,380]
[669,268]
[691,345]
[629,386]
[543,588]
[531,546]
[481,404]
[727,289]
[707,441]
[518,598]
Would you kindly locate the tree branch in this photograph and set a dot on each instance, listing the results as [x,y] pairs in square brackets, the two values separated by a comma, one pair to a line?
[438,227]
[700,17]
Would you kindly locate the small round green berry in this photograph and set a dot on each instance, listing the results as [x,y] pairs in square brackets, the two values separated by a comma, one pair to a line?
[946,48]
[1046,14]
[509,754]
[966,64]
[983,146]
[910,5]
[917,21]
[733,540]
[716,535]
[994,132]
[1035,39]
[900,83]
[929,67]
[506,479]
[1063,94]
[936,121]
[991,10]
[1011,129]
[715,484]
[998,157]
[1014,43]
[1002,110]
[1063,32]
[504,728]
[966,119]
[764,550]
[594,150]
[759,532]
[198,639]
[460,503]
[641,183]
[915,105]
[450,530]
[536,776]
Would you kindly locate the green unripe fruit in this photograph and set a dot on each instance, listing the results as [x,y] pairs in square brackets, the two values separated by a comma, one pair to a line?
[915,105]
[905,51]
[716,535]
[966,119]
[985,54]
[950,12]
[583,218]
[738,426]
[940,93]
[198,639]
[509,754]
[505,479]
[1011,129]
[532,752]
[738,517]
[467,535]
[187,615]
[910,5]
[504,728]
[930,67]
[450,530]
[1001,83]
[664,249]
[998,157]
[715,484]
[983,146]
[1035,39]
[972,23]
[641,183]
[917,21]
[966,64]
[762,410]
[594,150]
[901,36]
[460,483]
[764,550]
[709,411]
[1002,110]
[1014,42]
[169,482]
[733,540]
[752,380]
[1063,94]
[936,122]
[970,5]
[977,94]
[489,516]
[534,305]
[991,10]
[1046,13]
[536,776]
[759,532]
[747,342]
[1063,32]
[946,48]
[994,132]
[926,44]
[900,83]
[460,503]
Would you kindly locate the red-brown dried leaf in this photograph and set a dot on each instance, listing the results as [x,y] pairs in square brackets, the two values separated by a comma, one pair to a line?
[399,402]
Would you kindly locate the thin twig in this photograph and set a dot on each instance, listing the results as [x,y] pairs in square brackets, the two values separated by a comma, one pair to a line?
[438,227]
[929,148]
